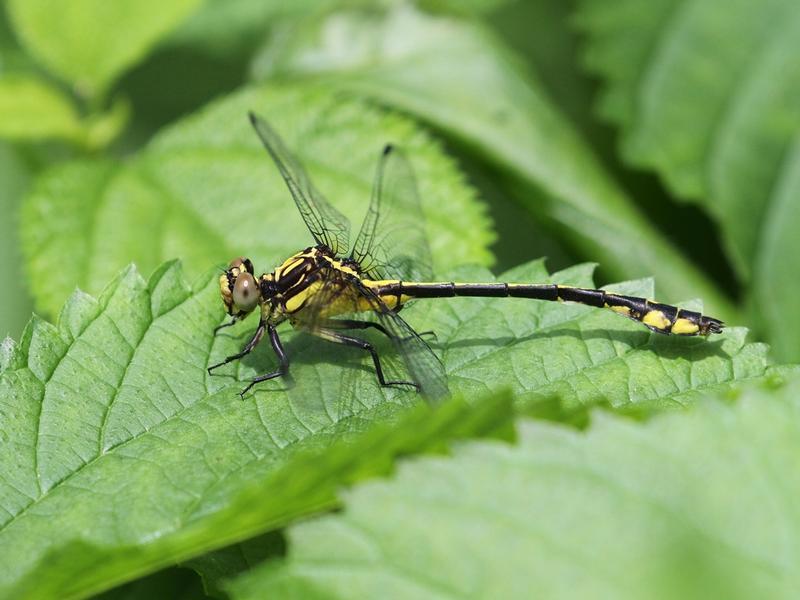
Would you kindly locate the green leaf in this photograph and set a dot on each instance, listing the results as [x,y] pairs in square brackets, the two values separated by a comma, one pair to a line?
[225,28]
[112,423]
[176,584]
[215,567]
[116,427]
[465,7]
[206,190]
[31,109]
[705,94]
[235,27]
[456,75]
[55,229]
[90,42]
[689,505]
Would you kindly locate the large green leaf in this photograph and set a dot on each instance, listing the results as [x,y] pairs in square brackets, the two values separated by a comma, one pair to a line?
[456,75]
[110,421]
[90,42]
[706,94]
[230,27]
[697,505]
[225,28]
[206,190]
[31,109]
[216,567]
[175,584]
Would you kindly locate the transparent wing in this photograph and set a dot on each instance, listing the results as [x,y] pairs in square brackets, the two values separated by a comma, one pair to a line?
[392,243]
[425,368]
[350,300]
[326,224]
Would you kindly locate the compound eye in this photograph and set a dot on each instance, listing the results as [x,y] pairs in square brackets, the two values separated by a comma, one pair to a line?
[241,263]
[245,292]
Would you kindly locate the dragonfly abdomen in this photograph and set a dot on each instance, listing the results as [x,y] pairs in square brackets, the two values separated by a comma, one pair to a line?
[661,318]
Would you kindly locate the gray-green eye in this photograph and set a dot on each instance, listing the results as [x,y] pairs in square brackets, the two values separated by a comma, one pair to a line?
[245,292]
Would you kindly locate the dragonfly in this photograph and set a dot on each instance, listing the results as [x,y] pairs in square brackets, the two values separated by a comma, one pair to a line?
[334,290]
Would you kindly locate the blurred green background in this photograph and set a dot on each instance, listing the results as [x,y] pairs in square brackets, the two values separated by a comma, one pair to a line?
[655,138]
[652,140]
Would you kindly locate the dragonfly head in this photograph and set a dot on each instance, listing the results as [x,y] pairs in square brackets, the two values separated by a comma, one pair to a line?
[239,289]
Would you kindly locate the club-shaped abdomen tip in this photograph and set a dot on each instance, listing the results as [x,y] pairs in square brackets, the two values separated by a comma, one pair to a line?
[716,326]
[387,149]
[252,116]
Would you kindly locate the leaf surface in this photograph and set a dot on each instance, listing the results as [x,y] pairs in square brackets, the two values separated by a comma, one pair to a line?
[90,42]
[111,422]
[705,94]
[695,504]
[31,109]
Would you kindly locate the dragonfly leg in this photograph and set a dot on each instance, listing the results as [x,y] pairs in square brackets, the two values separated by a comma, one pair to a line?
[246,350]
[353,324]
[224,325]
[339,338]
[283,360]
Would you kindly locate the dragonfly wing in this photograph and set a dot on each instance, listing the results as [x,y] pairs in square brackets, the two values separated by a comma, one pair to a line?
[339,297]
[392,243]
[328,226]
[423,365]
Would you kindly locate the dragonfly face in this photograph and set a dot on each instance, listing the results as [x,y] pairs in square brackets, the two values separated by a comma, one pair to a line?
[279,293]
[239,289]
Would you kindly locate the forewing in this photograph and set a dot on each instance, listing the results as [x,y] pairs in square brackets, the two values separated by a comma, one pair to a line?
[326,224]
[392,243]
[350,299]
[335,293]
[424,366]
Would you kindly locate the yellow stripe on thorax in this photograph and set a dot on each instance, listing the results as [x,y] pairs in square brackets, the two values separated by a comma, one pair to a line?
[291,263]
[336,264]
[298,300]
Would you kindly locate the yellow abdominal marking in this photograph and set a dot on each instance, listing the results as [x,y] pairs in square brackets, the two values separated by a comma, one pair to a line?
[656,318]
[684,327]
[621,310]
[390,300]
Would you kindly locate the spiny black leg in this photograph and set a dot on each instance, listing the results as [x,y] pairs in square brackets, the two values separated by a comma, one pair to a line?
[283,367]
[224,325]
[339,338]
[353,324]
[246,350]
